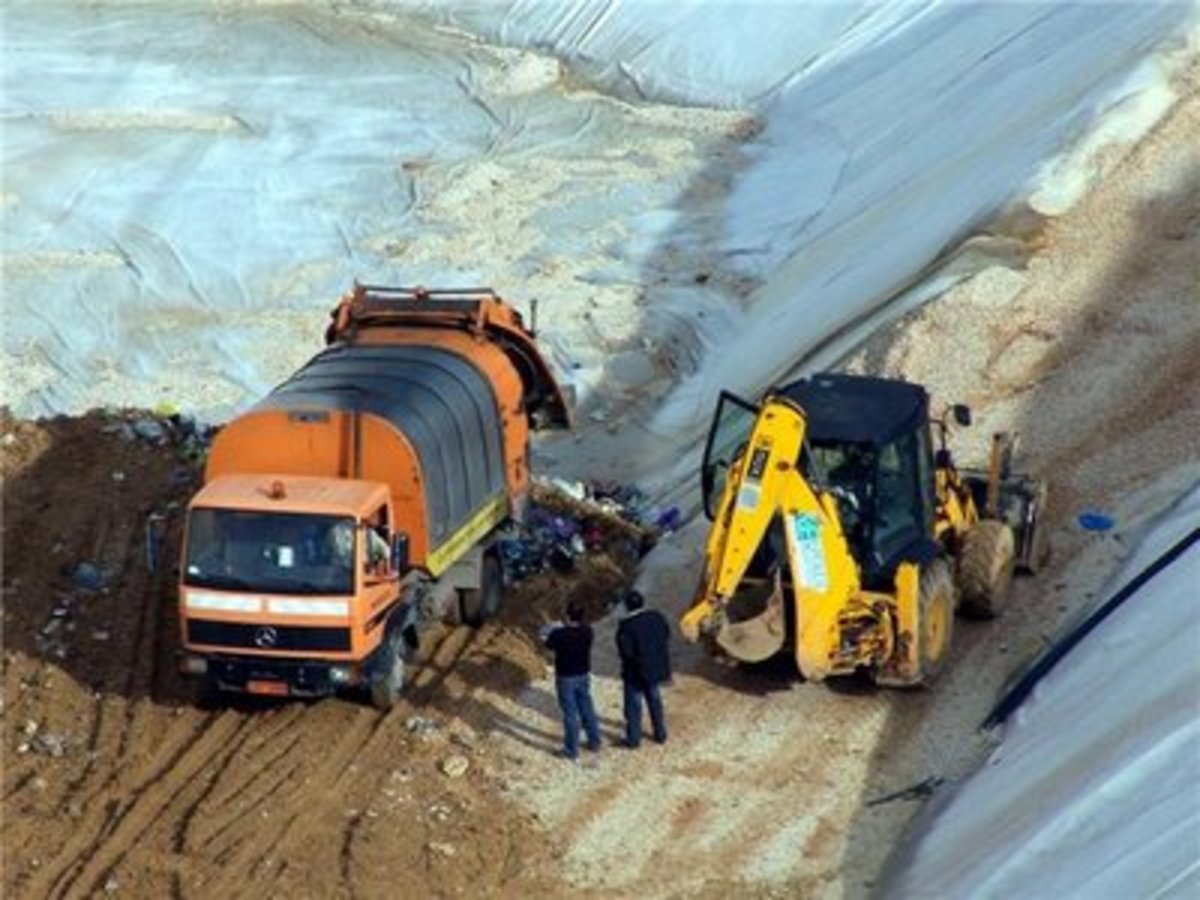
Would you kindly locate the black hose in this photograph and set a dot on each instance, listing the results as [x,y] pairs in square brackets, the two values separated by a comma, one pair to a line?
[1019,691]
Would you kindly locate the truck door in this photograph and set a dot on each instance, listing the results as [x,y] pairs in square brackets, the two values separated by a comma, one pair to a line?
[380,582]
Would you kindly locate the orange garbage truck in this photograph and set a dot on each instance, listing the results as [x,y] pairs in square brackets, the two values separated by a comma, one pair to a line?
[359,500]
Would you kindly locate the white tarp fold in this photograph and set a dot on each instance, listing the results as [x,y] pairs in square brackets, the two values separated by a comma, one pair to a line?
[1095,790]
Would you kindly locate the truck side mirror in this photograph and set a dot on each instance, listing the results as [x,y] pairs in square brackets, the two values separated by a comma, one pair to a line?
[962,414]
[399,551]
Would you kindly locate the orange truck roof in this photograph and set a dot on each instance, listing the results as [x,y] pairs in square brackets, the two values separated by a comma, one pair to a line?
[300,494]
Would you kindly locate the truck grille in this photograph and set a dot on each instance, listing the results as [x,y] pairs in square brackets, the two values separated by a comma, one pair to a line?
[266,637]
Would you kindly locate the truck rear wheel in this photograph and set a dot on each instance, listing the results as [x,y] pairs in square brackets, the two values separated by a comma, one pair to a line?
[478,605]
[935,619]
[389,677]
[985,568]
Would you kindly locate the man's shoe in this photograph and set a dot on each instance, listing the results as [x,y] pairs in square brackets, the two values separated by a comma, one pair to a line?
[563,754]
[593,748]
[626,744]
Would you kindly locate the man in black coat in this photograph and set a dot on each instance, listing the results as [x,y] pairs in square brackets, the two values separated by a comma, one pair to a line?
[642,638]
[572,646]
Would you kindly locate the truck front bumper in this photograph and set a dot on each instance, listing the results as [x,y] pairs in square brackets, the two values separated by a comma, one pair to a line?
[270,677]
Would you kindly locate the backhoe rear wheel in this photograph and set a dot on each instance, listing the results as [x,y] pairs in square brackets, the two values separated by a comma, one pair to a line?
[935,619]
[985,568]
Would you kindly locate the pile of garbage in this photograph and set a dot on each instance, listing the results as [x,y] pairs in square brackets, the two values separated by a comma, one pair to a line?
[567,521]
[164,426]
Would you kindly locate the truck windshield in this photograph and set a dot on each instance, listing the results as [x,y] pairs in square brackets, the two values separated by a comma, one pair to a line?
[276,553]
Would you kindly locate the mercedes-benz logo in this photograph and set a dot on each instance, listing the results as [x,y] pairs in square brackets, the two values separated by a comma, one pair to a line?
[266,637]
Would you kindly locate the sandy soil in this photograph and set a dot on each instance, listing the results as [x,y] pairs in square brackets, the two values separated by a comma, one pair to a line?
[115,783]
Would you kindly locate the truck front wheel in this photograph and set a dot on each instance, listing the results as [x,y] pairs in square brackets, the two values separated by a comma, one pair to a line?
[388,679]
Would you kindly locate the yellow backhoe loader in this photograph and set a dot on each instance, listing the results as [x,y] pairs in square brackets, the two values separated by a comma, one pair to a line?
[841,535]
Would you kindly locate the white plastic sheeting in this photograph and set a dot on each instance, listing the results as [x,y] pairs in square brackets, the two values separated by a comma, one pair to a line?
[891,129]
[1095,790]
[187,187]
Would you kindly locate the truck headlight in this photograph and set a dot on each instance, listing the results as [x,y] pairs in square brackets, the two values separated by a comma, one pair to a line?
[193,665]
[341,674]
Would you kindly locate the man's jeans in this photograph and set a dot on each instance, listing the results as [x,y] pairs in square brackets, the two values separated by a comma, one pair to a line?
[575,700]
[633,712]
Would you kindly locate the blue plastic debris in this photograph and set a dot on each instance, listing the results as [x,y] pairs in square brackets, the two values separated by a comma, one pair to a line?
[1095,521]
[668,520]
[87,577]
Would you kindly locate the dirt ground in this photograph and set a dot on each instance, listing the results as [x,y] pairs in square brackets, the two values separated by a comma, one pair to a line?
[116,783]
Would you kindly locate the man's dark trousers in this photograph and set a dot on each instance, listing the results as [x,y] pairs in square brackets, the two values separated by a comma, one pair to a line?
[575,700]
[634,692]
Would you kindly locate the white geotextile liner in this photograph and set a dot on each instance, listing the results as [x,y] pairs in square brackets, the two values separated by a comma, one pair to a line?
[1095,790]
[188,188]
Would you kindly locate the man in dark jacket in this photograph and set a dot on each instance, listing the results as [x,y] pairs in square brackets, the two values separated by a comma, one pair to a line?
[572,646]
[642,638]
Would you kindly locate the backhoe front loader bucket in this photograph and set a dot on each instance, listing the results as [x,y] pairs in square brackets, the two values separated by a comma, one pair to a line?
[1021,503]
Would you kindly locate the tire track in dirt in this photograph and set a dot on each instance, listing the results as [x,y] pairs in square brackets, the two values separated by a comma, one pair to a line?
[269,835]
[105,835]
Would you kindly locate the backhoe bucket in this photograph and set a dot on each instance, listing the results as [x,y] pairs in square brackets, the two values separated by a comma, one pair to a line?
[755,626]
[1022,504]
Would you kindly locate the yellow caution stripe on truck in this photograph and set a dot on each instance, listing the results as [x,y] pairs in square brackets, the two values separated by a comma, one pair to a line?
[485,519]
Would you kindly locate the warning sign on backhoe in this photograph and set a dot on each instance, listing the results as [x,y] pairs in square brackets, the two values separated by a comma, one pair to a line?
[808,556]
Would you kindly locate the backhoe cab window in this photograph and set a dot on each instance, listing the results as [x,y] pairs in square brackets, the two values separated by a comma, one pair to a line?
[848,472]
[270,553]
[878,495]
[900,519]
[727,437]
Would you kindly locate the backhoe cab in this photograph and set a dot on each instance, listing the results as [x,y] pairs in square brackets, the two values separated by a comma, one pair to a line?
[842,535]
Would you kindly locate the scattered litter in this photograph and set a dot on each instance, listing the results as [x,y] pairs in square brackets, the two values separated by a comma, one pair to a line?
[31,728]
[441,849]
[1091,520]
[149,430]
[574,489]
[455,766]
[918,791]
[87,577]
[118,476]
[100,635]
[420,726]
[9,439]
[49,744]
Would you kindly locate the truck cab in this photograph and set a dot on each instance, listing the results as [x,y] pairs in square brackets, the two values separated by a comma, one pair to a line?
[287,582]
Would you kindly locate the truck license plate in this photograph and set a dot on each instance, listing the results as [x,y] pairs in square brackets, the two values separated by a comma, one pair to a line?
[274,688]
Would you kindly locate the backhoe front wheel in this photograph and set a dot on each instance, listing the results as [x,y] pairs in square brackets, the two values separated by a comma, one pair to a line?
[935,619]
[985,568]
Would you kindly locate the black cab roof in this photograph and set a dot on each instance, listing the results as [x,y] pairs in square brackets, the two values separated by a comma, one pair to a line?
[858,409]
